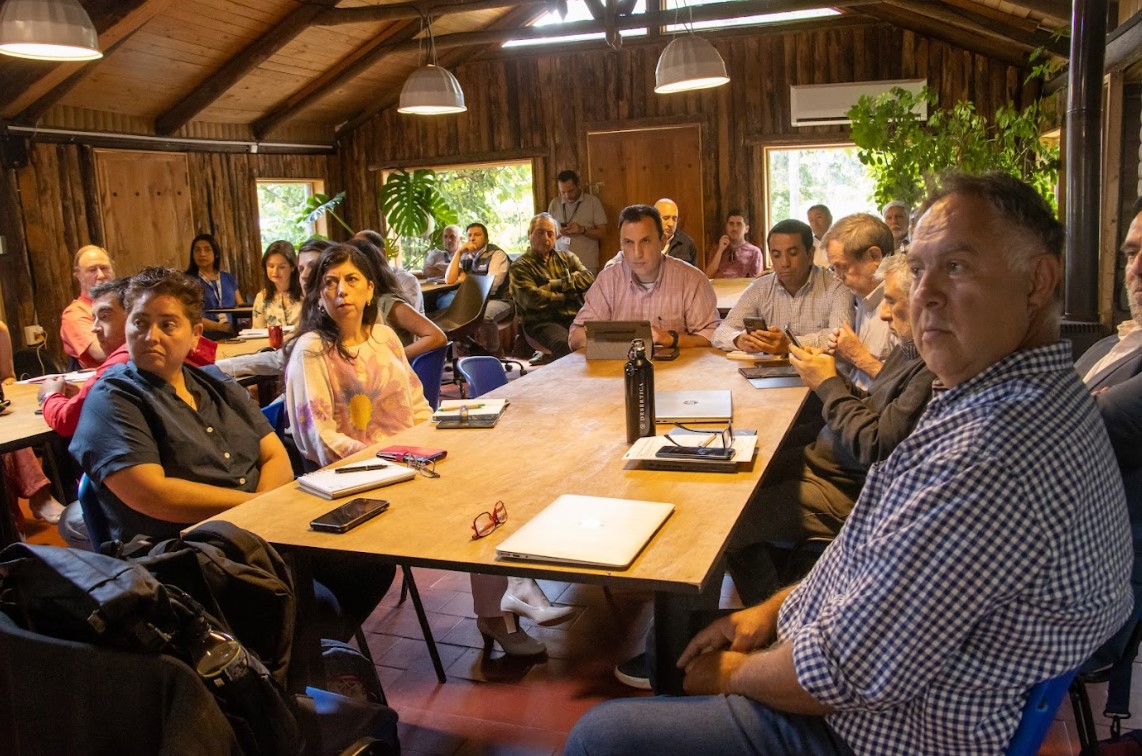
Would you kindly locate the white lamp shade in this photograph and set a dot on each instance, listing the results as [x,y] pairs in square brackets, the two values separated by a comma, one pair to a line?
[47,30]
[687,63]
[431,91]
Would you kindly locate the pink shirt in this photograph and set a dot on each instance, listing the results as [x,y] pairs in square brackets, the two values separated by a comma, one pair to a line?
[748,262]
[682,299]
[75,331]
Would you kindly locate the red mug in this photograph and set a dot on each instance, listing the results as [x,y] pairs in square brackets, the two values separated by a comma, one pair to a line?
[275,333]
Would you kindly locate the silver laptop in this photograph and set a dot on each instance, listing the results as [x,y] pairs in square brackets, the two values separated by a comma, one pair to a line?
[693,406]
[589,530]
[610,339]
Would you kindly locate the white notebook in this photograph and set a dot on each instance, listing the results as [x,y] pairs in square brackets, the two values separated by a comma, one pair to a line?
[330,484]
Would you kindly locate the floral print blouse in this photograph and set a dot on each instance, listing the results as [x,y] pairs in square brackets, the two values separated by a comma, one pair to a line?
[281,310]
[338,407]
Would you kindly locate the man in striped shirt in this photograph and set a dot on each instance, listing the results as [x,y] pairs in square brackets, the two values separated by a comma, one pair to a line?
[548,286]
[990,551]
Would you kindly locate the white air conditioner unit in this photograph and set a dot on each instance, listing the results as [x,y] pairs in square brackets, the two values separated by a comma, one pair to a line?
[823,104]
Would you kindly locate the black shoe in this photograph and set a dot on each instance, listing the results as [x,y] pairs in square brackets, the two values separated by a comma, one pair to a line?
[634,672]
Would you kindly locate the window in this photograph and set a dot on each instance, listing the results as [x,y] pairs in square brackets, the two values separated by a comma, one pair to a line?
[799,177]
[499,195]
[280,202]
[754,20]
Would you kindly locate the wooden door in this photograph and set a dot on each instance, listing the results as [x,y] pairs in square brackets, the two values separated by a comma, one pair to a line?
[644,165]
[145,200]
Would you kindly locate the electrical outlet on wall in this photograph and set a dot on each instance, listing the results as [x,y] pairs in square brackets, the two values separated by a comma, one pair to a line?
[34,334]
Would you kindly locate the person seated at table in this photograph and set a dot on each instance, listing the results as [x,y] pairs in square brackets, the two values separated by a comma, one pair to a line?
[219,288]
[797,294]
[675,297]
[22,471]
[989,552]
[417,333]
[437,260]
[733,256]
[92,266]
[407,285]
[279,303]
[349,386]
[548,286]
[479,257]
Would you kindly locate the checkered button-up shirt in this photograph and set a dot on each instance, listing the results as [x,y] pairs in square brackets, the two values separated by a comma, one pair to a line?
[991,550]
[812,313]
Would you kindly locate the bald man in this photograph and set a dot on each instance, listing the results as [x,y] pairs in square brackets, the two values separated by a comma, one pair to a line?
[678,243]
[92,266]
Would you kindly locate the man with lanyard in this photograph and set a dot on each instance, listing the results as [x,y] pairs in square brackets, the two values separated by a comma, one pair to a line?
[582,220]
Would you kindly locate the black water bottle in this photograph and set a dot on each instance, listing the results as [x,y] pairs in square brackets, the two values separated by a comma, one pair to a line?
[639,375]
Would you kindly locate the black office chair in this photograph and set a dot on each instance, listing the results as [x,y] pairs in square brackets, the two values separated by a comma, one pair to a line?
[461,320]
[35,362]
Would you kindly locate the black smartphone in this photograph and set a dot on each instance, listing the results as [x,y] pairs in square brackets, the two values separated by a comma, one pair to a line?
[754,324]
[349,515]
[792,339]
[664,354]
[694,452]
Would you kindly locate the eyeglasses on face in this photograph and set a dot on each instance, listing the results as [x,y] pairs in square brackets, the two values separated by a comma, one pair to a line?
[486,522]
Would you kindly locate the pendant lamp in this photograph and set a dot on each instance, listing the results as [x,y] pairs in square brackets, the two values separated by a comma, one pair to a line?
[431,90]
[687,63]
[47,30]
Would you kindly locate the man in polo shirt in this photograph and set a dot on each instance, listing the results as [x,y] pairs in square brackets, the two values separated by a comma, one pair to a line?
[582,220]
[797,294]
[548,286]
[674,297]
[92,266]
[733,256]
[984,555]
[856,244]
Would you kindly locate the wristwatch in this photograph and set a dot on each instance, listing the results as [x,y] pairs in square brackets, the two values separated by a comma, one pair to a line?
[673,338]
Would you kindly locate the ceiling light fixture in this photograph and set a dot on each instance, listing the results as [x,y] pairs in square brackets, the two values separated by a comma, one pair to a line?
[689,62]
[57,30]
[431,90]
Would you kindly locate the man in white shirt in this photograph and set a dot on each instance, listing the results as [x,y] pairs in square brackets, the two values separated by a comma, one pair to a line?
[820,218]
[436,262]
[582,220]
[897,215]
[856,244]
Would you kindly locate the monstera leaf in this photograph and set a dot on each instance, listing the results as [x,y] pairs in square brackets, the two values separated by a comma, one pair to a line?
[318,205]
[407,201]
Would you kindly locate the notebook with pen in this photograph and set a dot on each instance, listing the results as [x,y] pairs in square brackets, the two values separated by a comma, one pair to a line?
[469,413]
[610,339]
[331,484]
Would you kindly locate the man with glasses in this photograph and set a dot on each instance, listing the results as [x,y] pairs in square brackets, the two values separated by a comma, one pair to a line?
[92,266]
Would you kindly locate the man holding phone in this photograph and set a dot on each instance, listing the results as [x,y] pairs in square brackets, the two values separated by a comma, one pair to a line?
[797,294]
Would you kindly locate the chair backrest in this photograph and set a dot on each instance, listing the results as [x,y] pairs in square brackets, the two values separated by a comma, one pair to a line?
[429,368]
[98,529]
[483,374]
[275,413]
[466,312]
[1038,714]
[35,362]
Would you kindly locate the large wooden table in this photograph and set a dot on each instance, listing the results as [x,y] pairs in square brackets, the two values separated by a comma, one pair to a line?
[20,427]
[563,433]
[729,290]
[237,347]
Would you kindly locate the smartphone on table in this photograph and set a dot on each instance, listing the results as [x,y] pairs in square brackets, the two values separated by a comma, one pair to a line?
[349,515]
[695,452]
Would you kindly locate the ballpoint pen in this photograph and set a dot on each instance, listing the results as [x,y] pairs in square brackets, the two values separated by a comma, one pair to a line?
[359,468]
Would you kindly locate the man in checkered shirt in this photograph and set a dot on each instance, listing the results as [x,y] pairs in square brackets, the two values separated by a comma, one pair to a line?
[990,551]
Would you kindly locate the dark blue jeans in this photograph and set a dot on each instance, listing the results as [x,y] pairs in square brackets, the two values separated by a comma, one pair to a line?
[665,726]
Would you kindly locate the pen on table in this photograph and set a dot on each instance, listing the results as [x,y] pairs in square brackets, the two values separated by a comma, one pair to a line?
[359,468]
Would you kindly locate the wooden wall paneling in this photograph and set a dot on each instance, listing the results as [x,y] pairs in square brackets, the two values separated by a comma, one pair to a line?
[15,275]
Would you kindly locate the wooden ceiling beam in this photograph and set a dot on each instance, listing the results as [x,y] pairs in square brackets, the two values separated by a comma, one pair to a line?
[24,82]
[494,36]
[235,69]
[931,28]
[368,14]
[1060,10]
[989,28]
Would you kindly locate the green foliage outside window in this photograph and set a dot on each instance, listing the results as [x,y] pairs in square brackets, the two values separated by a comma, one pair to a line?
[277,212]
[904,155]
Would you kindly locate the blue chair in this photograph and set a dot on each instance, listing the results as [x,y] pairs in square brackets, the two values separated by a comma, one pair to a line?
[1038,714]
[429,368]
[94,518]
[483,374]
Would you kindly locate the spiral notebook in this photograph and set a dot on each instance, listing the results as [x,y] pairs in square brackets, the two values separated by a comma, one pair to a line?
[330,484]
